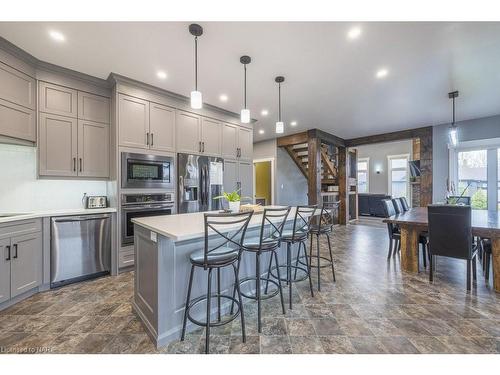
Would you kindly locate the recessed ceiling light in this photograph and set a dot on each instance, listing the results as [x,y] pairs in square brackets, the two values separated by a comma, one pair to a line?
[56,35]
[382,73]
[293,123]
[354,33]
[261,131]
[223,97]
[264,112]
[161,74]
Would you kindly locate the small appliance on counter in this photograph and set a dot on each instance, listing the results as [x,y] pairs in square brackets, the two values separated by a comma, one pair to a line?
[96,201]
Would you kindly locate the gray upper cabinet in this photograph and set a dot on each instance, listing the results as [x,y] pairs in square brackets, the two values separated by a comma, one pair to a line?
[17,121]
[93,149]
[161,127]
[188,132]
[26,263]
[211,136]
[6,254]
[57,145]
[17,87]
[57,100]
[230,175]
[229,141]
[133,117]
[93,107]
[245,174]
[245,143]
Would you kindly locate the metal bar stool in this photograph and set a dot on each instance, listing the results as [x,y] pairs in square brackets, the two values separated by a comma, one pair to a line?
[322,224]
[298,234]
[267,242]
[224,235]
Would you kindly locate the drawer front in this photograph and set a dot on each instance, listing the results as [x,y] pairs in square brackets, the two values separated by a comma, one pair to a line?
[17,121]
[17,228]
[126,258]
[17,87]
[58,100]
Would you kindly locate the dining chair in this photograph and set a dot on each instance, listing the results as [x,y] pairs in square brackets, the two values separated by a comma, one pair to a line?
[404,204]
[450,235]
[397,205]
[486,257]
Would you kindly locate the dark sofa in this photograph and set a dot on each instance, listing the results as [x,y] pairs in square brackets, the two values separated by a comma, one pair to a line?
[371,204]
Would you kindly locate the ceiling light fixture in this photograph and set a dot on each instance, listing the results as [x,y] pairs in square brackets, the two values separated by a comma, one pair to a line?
[223,97]
[161,74]
[261,131]
[382,73]
[264,112]
[280,127]
[453,134]
[56,35]
[196,99]
[293,123]
[245,112]
[354,33]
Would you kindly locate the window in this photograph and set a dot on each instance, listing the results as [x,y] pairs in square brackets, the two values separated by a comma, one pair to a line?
[363,175]
[398,176]
[473,177]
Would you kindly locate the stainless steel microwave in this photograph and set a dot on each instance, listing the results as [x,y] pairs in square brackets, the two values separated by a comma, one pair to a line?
[144,171]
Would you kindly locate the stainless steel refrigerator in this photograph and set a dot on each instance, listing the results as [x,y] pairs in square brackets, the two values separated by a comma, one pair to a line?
[200,180]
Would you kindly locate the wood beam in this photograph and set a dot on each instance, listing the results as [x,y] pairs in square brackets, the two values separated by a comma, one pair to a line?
[292,139]
[314,169]
[342,178]
[389,137]
[326,137]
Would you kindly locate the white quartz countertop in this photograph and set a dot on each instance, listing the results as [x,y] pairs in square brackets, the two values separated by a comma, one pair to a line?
[6,217]
[182,227]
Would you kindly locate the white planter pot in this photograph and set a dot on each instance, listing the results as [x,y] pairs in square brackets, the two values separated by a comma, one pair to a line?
[234,206]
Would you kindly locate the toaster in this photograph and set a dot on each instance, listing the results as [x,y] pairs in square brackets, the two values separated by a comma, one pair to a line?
[97,201]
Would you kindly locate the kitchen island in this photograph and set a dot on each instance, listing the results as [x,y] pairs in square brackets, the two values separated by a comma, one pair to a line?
[162,247]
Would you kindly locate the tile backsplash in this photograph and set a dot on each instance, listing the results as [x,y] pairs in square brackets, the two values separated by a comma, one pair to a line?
[20,190]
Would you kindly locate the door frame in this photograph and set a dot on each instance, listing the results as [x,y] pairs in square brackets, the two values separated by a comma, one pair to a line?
[273,162]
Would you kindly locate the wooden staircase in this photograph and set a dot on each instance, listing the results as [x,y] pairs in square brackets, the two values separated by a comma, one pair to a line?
[329,162]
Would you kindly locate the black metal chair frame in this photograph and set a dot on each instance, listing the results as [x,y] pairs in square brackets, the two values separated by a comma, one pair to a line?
[275,220]
[299,235]
[404,203]
[214,223]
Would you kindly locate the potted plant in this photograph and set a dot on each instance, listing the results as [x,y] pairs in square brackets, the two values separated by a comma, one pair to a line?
[233,198]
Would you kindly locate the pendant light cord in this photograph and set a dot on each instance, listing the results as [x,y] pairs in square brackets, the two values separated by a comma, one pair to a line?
[196,63]
[279,102]
[453,111]
[245,93]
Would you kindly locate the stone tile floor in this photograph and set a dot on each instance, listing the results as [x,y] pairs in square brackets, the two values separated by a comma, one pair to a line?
[372,308]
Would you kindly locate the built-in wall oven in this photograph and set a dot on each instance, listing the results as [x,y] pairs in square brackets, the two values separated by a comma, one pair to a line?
[144,171]
[142,205]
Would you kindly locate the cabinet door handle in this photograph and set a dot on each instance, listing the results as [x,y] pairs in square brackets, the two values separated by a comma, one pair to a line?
[199,146]
[147,139]
[15,248]
[202,146]
[8,252]
[81,162]
[152,139]
[74,164]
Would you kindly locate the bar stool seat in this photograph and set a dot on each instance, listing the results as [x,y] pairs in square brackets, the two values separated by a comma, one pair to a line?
[320,229]
[253,244]
[218,257]
[299,235]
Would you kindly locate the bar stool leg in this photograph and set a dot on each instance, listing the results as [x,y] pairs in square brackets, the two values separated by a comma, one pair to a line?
[257,290]
[209,292]
[308,266]
[269,272]
[279,280]
[289,272]
[237,287]
[318,265]
[218,296]
[331,256]
[184,322]
[390,249]
[234,289]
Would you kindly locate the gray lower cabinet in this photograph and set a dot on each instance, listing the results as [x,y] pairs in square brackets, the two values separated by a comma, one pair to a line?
[93,149]
[238,175]
[230,175]
[5,252]
[58,145]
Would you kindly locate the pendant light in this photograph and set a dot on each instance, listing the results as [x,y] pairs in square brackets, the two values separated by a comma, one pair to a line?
[245,112]
[280,127]
[453,134]
[196,99]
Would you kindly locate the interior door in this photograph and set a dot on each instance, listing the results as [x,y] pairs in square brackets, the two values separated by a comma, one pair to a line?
[6,254]
[162,127]
[133,120]
[246,181]
[188,132]
[229,141]
[58,145]
[93,149]
[26,263]
[211,136]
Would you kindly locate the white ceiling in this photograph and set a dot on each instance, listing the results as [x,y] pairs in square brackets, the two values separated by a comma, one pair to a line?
[329,80]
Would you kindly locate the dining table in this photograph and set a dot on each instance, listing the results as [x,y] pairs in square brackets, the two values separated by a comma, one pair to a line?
[485,224]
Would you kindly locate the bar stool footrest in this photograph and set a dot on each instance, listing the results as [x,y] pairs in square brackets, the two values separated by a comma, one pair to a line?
[292,268]
[312,265]
[214,324]
[263,281]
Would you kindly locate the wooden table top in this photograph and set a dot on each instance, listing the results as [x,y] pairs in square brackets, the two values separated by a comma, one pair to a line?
[484,223]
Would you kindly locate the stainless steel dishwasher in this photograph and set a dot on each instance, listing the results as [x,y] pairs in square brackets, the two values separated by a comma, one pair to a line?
[80,248]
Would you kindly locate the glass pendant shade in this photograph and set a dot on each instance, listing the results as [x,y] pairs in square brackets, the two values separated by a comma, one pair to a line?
[453,135]
[245,116]
[196,100]
[280,127]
